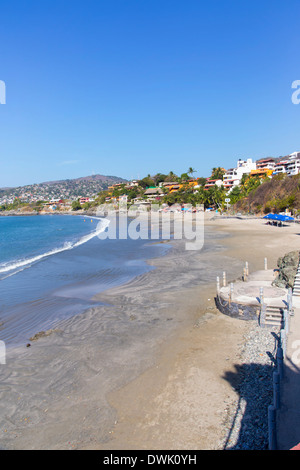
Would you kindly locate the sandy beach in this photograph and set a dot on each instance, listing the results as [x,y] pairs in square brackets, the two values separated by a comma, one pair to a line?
[182,402]
[165,387]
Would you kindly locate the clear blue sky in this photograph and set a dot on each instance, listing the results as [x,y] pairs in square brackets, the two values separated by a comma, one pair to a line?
[131,87]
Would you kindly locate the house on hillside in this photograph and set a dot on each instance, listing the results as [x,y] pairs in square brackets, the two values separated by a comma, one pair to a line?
[280,166]
[289,165]
[154,193]
[233,176]
[83,200]
[262,172]
[265,164]
[211,183]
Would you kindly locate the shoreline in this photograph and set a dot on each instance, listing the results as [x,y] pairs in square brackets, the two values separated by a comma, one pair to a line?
[141,315]
[173,394]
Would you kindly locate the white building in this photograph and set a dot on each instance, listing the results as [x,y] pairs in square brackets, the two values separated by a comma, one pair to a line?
[265,164]
[280,167]
[293,166]
[233,176]
[295,155]
[289,165]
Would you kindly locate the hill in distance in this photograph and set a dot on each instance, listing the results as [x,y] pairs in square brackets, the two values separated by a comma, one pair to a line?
[85,186]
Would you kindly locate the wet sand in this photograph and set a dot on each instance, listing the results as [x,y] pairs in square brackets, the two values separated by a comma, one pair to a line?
[155,379]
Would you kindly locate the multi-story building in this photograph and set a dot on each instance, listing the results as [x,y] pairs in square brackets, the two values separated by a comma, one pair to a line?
[265,164]
[295,155]
[280,167]
[233,176]
[293,165]
[211,183]
[289,165]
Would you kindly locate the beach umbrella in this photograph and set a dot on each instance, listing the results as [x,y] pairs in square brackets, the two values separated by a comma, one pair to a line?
[280,217]
[271,216]
[286,218]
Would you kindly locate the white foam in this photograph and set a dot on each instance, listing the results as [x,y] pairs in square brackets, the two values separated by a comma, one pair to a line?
[101,226]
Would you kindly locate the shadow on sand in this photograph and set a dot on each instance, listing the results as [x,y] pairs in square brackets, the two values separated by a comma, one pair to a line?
[254,384]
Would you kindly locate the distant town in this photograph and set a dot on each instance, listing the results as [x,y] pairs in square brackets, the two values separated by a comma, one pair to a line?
[55,193]
[222,185]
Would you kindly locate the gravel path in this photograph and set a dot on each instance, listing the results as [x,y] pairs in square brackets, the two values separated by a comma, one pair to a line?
[246,423]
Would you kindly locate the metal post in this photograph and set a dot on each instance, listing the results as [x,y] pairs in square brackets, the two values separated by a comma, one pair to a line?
[231,293]
[244,275]
[262,319]
[290,299]
[283,341]
[261,295]
[280,366]
[266,264]
[276,390]
[272,427]
[286,321]
[247,268]
[224,279]
[218,284]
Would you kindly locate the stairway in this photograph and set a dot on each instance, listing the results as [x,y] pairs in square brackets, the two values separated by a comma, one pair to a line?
[296,287]
[271,316]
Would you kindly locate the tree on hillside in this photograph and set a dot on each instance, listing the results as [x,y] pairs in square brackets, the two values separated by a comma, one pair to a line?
[191,171]
[235,194]
[217,173]
[146,182]
[216,196]
[202,180]
[76,206]
[184,177]
[250,183]
[171,177]
[159,178]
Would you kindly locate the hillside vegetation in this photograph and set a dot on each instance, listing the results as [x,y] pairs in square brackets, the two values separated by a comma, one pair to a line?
[273,195]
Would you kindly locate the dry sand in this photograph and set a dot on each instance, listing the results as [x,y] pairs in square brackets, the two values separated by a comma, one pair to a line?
[174,396]
[181,403]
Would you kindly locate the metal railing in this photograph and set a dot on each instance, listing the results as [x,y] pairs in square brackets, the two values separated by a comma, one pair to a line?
[278,375]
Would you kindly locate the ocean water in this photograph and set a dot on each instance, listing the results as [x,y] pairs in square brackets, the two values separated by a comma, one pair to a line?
[52,266]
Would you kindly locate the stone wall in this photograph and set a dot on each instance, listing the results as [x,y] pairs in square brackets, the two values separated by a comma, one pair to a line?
[287,270]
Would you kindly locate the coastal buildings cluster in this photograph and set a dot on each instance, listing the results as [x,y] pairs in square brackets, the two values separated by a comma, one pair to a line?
[57,192]
[265,167]
[83,192]
[229,179]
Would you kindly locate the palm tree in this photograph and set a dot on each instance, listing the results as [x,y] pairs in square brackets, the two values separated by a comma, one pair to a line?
[171,176]
[217,173]
[191,171]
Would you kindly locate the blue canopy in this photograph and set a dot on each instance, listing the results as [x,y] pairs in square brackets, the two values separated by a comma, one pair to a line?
[287,218]
[280,217]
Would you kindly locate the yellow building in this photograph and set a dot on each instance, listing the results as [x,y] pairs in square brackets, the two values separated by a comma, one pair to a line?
[261,172]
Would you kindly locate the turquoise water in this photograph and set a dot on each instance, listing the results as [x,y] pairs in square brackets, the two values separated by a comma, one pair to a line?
[52,266]
[25,240]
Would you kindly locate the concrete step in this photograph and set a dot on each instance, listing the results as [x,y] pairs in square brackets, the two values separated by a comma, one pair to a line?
[277,324]
[274,311]
[274,317]
[273,323]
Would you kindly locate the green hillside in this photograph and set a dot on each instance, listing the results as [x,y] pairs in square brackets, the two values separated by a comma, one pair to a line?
[273,195]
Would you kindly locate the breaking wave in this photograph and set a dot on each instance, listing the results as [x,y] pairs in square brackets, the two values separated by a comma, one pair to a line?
[23,263]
